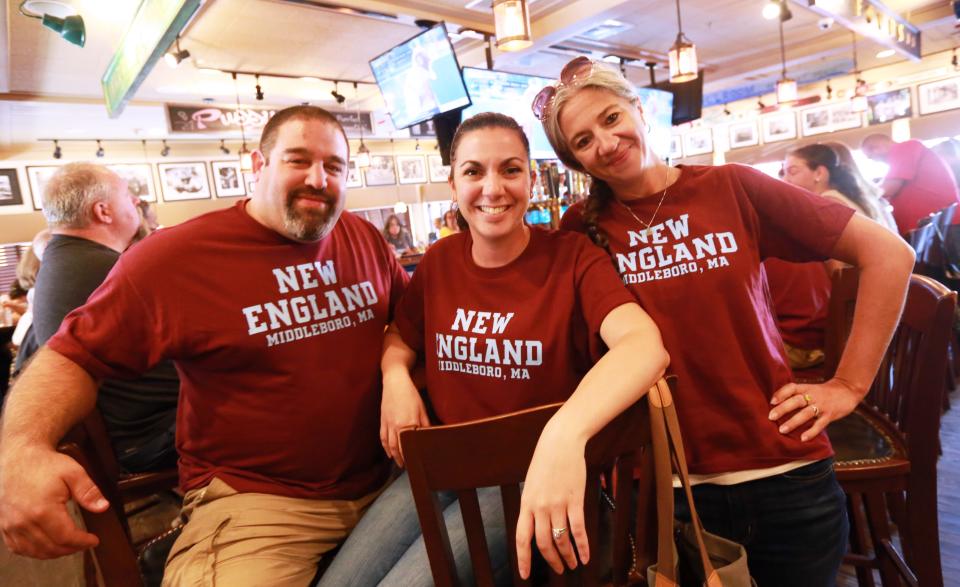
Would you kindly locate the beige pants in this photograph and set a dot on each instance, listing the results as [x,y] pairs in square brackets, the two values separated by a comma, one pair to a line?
[238,539]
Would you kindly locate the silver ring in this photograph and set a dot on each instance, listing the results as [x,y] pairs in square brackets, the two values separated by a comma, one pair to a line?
[558,533]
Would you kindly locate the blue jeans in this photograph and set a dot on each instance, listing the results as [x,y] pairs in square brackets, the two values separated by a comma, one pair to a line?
[794,526]
[386,547]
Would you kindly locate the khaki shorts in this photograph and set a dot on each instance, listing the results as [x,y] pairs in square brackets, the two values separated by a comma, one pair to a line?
[238,539]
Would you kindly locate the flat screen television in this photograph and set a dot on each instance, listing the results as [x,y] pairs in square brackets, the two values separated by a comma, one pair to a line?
[658,112]
[510,94]
[687,99]
[420,78]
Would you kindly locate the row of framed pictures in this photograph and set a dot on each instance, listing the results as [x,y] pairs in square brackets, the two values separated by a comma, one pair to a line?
[189,180]
[178,181]
[403,169]
[884,107]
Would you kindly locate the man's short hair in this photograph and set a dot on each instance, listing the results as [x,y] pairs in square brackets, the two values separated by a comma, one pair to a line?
[269,136]
[71,192]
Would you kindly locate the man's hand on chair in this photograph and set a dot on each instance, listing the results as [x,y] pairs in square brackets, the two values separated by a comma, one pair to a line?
[35,485]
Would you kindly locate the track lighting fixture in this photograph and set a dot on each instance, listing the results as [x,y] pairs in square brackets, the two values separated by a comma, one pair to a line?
[829,89]
[100,151]
[417,147]
[174,57]
[165,150]
[57,151]
[223,148]
[259,95]
[340,98]
[726,110]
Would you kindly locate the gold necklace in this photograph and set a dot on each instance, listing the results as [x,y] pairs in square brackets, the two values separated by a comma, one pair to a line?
[646,225]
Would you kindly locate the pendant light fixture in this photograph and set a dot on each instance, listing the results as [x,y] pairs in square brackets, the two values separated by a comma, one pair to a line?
[363,153]
[859,98]
[512,22]
[786,87]
[683,56]
[246,158]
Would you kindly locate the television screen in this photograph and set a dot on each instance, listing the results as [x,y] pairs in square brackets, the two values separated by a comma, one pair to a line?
[510,94]
[658,112]
[687,99]
[420,78]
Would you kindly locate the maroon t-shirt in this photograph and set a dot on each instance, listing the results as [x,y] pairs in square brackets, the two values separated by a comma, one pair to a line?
[928,185]
[801,298]
[698,275]
[508,338]
[277,344]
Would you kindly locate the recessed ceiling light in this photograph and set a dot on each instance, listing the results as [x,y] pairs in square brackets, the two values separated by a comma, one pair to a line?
[886,53]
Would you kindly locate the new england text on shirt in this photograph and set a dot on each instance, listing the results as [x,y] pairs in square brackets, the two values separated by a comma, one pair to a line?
[310,314]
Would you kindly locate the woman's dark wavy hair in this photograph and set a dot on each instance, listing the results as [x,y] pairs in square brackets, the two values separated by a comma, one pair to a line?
[841,177]
[482,121]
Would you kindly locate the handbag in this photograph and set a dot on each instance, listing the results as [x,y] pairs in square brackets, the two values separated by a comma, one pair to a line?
[686,553]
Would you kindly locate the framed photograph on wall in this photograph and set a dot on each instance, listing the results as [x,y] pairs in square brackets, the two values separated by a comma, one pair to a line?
[781,126]
[843,116]
[743,134]
[38,176]
[676,147]
[815,121]
[939,95]
[10,194]
[698,142]
[250,180]
[889,106]
[439,173]
[139,178]
[412,168]
[381,171]
[228,179]
[184,181]
[354,177]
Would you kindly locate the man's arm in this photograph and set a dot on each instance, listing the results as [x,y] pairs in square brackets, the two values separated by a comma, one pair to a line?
[36,481]
[891,187]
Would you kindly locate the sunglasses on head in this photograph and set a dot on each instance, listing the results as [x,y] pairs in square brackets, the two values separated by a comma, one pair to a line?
[577,70]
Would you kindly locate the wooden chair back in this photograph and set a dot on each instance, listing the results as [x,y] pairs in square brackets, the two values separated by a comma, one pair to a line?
[497,452]
[904,405]
[116,555]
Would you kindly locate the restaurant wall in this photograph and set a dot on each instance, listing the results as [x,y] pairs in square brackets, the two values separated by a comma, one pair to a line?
[19,223]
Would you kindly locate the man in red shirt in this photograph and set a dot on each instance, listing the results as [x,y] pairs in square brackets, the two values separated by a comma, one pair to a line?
[919,181]
[273,311]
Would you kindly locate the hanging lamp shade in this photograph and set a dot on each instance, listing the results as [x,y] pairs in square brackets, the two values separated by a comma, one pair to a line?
[246,159]
[786,91]
[71,28]
[363,155]
[512,21]
[683,60]
[683,56]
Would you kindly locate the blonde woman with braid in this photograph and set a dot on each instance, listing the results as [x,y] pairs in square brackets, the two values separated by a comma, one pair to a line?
[688,242]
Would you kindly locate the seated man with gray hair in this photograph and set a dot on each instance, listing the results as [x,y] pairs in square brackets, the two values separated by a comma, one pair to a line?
[94,218]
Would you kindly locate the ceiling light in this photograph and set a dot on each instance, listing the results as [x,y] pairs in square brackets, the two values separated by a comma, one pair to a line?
[363,155]
[173,57]
[70,28]
[57,151]
[259,94]
[246,159]
[340,98]
[886,53]
[683,56]
[417,147]
[165,150]
[512,22]
[100,151]
[786,87]
[223,148]
[771,10]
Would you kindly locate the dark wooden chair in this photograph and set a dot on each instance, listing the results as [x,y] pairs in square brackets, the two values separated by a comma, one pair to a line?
[887,449]
[496,452]
[116,556]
